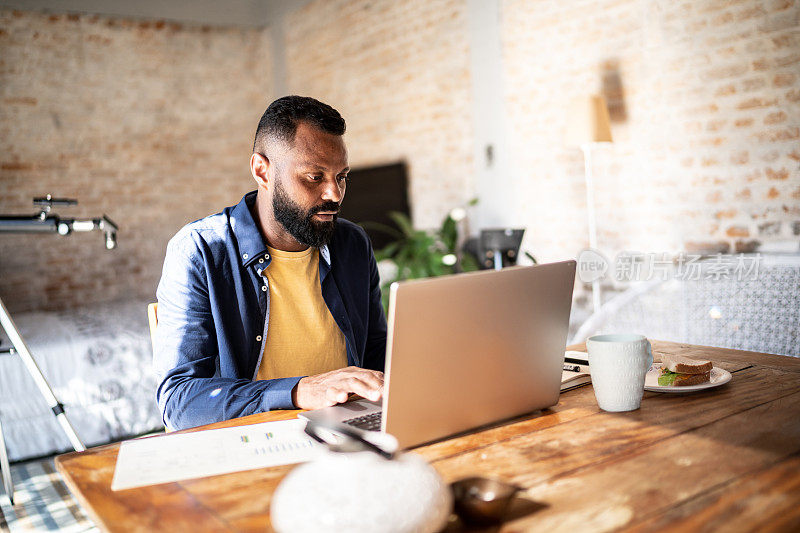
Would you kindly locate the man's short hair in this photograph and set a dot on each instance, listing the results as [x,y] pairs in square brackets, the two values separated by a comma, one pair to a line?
[280,120]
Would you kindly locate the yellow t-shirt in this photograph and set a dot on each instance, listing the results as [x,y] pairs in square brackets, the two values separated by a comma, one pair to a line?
[302,337]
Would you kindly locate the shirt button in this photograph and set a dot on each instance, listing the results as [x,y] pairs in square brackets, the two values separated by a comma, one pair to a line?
[244,256]
[266,256]
[260,260]
[263,288]
[258,338]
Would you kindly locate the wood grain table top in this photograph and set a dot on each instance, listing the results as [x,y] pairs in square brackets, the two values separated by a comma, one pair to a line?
[724,459]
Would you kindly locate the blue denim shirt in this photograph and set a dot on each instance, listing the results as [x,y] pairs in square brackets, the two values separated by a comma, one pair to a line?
[213,316]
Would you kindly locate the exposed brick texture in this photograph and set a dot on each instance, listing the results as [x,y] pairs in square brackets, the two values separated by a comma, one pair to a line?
[399,73]
[703,100]
[150,122]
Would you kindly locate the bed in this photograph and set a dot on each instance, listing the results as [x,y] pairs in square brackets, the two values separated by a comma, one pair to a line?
[760,312]
[98,363]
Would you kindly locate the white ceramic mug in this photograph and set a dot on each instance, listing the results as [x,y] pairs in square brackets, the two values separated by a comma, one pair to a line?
[618,364]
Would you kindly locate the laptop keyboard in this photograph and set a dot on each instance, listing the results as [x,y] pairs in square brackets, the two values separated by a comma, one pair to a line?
[370,422]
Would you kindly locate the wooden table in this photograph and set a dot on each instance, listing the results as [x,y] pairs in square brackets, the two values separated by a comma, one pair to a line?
[719,460]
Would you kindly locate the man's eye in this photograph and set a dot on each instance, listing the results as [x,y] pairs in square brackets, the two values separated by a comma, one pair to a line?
[344,178]
[314,177]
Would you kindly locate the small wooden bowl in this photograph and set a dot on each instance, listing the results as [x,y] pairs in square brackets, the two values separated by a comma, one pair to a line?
[481,500]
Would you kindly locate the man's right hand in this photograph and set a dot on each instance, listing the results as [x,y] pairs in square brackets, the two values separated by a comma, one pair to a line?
[330,388]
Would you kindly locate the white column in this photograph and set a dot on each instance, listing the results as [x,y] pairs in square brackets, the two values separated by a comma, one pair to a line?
[493,176]
[587,160]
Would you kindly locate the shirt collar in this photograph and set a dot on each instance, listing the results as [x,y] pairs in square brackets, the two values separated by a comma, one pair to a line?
[251,243]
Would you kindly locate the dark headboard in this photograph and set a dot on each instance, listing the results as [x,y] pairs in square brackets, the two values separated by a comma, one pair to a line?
[372,193]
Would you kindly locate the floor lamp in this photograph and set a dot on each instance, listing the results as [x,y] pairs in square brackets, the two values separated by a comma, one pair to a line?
[587,127]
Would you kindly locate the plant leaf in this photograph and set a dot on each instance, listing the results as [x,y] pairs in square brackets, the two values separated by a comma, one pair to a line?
[387,251]
[403,222]
[449,233]
[383,228]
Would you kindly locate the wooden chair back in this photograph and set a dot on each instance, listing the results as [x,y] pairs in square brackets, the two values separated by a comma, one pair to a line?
[152,317]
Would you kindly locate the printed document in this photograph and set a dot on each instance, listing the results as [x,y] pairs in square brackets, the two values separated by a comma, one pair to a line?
[167,458]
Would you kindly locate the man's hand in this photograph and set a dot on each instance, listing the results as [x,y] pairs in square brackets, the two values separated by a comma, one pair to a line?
[330,388]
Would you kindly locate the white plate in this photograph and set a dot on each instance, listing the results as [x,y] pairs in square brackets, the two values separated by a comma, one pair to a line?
[718,377]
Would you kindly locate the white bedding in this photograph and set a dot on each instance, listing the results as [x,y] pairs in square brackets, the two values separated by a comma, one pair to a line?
[98,362]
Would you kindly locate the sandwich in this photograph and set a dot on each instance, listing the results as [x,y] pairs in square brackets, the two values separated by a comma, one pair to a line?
[679,371]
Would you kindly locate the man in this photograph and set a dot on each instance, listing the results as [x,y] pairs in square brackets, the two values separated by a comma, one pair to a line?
[272,303]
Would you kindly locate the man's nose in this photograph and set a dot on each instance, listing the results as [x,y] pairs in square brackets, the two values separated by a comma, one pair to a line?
[332,191]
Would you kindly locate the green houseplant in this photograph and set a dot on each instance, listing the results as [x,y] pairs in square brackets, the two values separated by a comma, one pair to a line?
[422,253]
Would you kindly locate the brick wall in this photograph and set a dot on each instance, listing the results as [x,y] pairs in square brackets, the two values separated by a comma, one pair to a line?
[703,95]
[399,74]
[150,122]
[704,98]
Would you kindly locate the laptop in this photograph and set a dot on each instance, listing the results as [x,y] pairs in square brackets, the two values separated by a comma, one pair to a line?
[467,350]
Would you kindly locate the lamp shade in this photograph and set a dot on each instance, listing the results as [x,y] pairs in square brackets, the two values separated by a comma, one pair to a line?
[587,121]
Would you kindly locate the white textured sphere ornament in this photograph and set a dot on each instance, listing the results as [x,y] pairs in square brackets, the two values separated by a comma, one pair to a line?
[362,492]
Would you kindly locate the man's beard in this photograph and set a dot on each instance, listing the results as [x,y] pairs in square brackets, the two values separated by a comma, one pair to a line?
[301,224]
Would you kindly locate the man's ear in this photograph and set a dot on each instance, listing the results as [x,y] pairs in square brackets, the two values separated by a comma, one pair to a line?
[259,168]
